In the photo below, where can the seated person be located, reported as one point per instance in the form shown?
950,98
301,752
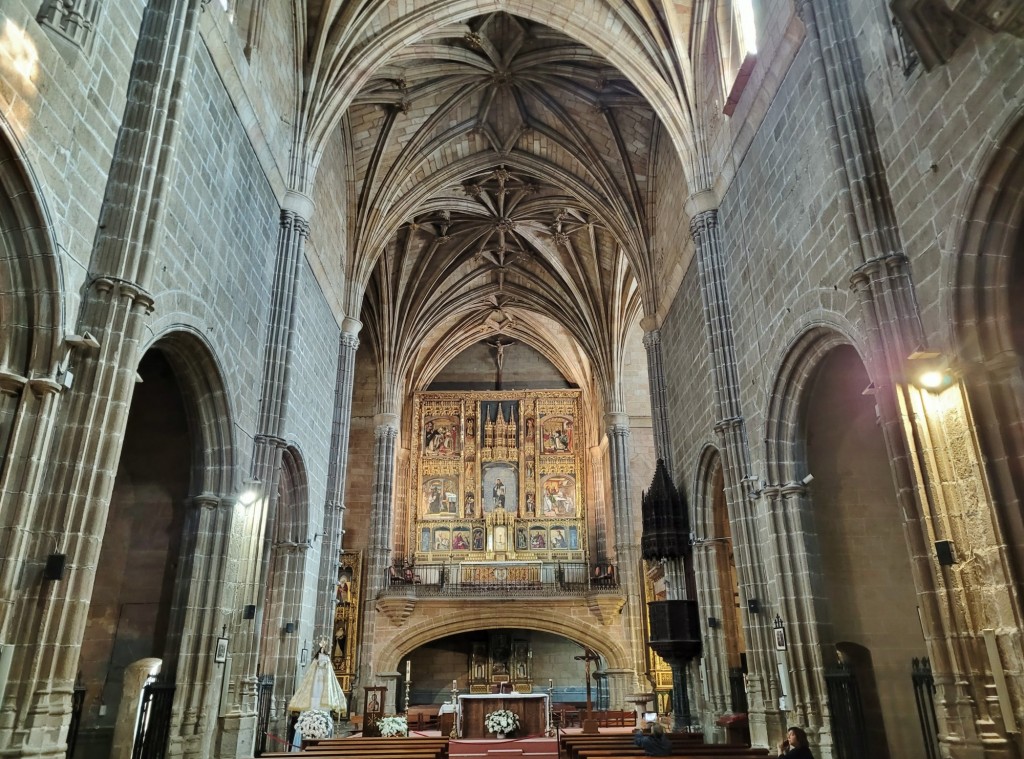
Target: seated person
795,745
655,744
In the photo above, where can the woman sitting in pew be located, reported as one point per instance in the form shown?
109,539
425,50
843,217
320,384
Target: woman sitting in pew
795,745
655,744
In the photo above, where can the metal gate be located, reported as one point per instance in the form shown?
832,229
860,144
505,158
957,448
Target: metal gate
77,703
264,700
847,713
924,695
154,725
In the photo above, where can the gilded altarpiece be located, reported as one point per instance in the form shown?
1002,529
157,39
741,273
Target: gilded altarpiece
497,477
346,618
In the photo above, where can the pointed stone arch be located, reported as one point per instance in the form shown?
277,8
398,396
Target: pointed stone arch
986,275
785,457
208,405
199,605
31,295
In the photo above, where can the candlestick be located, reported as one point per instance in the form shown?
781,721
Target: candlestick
408,668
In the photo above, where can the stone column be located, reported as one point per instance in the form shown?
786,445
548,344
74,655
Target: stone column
627,551
334,508
765,719
82,461
385,434
600,509
202,580
621,684
252,540
659,393
390,679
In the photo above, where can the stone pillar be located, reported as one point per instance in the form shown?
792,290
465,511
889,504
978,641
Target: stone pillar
600,508
659,394
334,508
765,719
203,572
252,539
627,550
621,684
385,434
82,461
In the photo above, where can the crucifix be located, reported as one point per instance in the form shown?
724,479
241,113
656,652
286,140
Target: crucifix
499,346
587,657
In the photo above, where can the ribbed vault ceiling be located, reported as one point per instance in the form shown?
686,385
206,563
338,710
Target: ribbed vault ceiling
500,188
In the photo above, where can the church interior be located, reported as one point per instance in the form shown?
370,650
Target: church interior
632,357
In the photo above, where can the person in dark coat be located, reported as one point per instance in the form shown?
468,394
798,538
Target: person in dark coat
655,744
795,745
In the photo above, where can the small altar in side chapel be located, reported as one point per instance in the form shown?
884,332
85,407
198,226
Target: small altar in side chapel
531,741
532,708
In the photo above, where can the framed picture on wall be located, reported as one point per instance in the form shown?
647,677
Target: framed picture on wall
220,653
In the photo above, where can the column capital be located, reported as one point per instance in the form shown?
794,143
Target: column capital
703,221
299,204
385,420
350,326
652,339
616,420
651,323
701,202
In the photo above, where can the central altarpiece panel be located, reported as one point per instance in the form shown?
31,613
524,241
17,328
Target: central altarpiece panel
497,483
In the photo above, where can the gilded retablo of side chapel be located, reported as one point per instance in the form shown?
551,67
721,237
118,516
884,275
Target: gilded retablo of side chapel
497,481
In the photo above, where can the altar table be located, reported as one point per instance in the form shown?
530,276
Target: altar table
532,709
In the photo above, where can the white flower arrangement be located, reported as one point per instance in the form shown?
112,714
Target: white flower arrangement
391,727
501,721
315,724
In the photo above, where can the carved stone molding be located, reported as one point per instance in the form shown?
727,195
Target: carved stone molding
605,608
397,610
938,27
74,20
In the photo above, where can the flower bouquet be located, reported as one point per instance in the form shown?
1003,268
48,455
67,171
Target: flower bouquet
501,722
391,727
315,724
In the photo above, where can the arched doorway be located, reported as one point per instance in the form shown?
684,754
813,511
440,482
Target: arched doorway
284,632
133,598
987,318
868,598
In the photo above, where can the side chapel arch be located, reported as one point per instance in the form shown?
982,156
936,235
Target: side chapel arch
550,619
986,275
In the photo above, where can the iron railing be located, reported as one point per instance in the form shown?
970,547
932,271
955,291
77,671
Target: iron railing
924,695
154,725
503,579
848,730
264,700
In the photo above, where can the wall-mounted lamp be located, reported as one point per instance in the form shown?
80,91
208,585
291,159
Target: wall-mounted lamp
84,340
695,541
929,370
713,623
249,611
250,492
289,628
753,606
